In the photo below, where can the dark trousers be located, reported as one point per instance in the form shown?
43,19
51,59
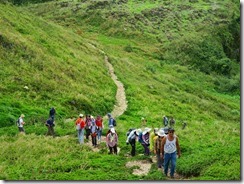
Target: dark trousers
133,147
94,139
88,132
50,131
146,149
113,150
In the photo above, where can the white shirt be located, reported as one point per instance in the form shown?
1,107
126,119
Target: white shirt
170,146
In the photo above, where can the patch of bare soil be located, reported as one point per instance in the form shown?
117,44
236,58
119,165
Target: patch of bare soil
144,167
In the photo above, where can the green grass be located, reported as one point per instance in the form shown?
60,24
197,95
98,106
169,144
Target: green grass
158,58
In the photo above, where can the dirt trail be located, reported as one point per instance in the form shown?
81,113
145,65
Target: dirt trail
121,103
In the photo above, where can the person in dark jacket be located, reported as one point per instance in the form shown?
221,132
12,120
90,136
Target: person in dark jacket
50,124
131,138
52,113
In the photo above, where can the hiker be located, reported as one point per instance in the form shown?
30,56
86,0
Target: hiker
94,130
112,141
88,122
50,123
21,123
131,138
111,120
157,147
99,123
152,139
172,122
165,121
143,122
145,141
80,126
169,149
52,113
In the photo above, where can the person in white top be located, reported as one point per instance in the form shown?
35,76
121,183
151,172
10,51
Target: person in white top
21,123
170,148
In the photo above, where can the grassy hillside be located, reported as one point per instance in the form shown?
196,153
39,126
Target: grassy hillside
173,58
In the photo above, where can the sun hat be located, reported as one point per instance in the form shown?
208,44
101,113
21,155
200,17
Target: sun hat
22,115
81,115
146,130
112,130
161,133
142,118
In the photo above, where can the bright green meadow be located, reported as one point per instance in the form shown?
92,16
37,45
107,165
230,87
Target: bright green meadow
177,58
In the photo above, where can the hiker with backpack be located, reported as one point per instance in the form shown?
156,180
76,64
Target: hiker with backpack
144,140
111,120
99,123
52,113
94,130
165,121
80,126
157,147
169,150
20,123
50,123
88,122
131,139
172,122
112,141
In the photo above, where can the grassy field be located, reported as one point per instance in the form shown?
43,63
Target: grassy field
175,58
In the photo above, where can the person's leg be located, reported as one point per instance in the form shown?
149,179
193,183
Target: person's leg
133,147
82,136
110,150
115,149
173,164
166,163
158,159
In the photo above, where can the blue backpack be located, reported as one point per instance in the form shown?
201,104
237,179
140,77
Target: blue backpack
140,138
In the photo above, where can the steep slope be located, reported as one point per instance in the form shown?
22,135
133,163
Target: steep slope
44,65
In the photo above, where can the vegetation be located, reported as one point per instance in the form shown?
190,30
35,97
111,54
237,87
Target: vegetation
178,58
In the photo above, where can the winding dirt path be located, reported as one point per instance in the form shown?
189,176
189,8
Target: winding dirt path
121,103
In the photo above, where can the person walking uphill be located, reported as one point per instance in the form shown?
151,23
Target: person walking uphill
170,147
111,121
112,141
80,125
157,147
99,123
20,123
145,141
50,123
131,138
52,113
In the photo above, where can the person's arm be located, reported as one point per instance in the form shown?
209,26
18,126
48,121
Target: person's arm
162,147
178,147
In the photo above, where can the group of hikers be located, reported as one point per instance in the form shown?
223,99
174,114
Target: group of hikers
161,141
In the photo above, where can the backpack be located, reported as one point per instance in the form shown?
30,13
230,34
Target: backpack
129,131
140,140
17,122
114,122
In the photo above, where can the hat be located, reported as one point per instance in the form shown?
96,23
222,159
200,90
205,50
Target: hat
22,115
142,118
112,130
138,131
161,133
92,117
109,114
81,115
146,130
